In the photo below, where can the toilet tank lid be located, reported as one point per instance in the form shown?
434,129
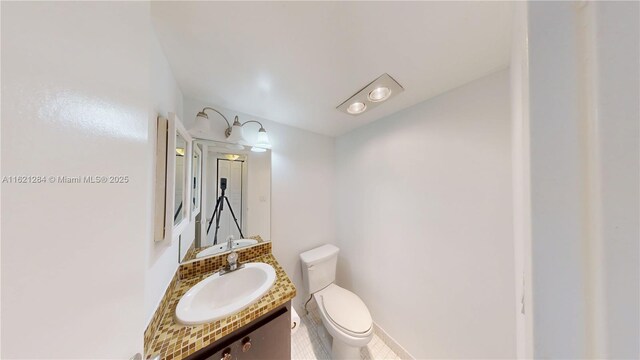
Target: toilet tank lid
318,254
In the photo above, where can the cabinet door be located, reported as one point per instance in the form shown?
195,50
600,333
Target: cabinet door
269,339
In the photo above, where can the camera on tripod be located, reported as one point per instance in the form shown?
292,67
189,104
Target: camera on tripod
218,210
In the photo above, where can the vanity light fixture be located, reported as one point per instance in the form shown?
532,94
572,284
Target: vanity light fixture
372,95
234,133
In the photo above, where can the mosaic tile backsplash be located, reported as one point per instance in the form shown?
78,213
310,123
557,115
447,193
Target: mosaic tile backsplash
207,265
193,251
157,316
170,340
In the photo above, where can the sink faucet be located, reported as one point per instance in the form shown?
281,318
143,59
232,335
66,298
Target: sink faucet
230,242
232,258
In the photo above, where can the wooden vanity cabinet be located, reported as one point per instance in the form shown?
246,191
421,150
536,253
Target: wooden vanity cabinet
267,338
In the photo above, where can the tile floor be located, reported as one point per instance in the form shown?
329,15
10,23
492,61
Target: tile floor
312,341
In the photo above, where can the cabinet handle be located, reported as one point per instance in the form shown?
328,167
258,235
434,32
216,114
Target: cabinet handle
246,344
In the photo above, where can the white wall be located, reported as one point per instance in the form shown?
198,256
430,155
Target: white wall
556,184
519,76
424,222
161,257
618,104
583,131
302,185
302,197
258,195
75,95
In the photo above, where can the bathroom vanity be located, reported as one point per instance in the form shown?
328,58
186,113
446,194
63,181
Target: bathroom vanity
260,331
268,337
209,186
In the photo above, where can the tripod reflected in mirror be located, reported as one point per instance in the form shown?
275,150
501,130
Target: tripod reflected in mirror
217,211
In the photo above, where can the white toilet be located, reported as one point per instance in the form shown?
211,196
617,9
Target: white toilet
343,313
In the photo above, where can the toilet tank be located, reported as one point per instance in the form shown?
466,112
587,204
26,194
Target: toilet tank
319,267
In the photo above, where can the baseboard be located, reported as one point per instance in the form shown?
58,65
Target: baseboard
392,343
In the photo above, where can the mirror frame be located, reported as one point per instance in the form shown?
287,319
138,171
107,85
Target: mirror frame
159,217
176,128
196,150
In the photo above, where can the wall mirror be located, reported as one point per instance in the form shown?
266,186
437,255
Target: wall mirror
181,195
179,207
173,169
196,178
234,199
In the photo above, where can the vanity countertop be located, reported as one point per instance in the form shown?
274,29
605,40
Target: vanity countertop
172,340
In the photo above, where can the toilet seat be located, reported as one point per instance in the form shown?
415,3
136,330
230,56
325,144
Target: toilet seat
345,310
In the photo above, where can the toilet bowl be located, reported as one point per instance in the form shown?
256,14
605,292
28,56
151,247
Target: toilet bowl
343,313
346,318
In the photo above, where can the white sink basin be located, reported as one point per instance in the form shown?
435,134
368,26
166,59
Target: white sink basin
216,249
218,296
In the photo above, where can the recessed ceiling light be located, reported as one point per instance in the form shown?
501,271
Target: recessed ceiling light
373,94
356,108
381,93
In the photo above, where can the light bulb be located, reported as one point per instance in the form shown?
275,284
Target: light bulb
381,93
202,123
236,136
263,139
356,108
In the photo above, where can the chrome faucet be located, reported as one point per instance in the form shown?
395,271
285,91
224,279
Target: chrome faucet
232,258
230,242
